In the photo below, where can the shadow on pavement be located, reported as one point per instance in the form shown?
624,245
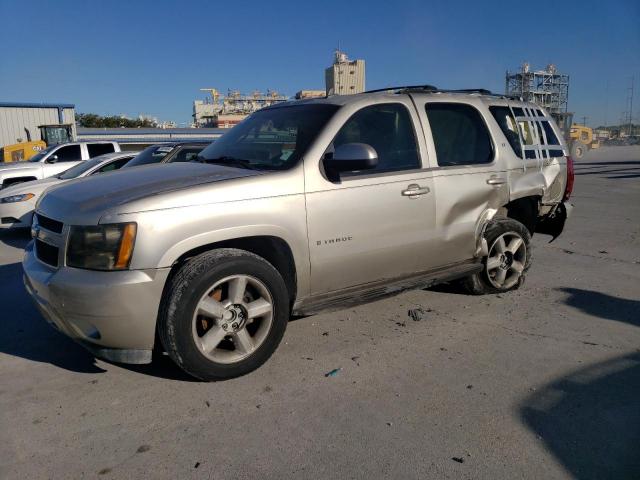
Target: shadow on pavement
590,419
16,238
604,306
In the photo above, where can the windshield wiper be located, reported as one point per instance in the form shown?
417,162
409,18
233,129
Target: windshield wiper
231,161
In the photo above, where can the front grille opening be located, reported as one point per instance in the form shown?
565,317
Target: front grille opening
9,220
47,253
49,224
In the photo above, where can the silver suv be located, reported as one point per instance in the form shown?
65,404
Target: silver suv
305,206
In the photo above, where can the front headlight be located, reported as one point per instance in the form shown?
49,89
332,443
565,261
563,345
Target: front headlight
101,247
17,198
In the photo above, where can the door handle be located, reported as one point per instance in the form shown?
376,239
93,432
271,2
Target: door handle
414,191
496,181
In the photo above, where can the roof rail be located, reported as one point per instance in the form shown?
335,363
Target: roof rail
432,89
429,88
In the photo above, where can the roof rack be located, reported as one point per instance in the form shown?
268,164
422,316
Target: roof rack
403,88
432,89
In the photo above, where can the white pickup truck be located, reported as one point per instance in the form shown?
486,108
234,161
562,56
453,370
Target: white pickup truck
53,160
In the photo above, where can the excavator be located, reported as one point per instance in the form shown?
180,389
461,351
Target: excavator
50,135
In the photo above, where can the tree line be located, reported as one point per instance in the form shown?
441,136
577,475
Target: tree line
92,120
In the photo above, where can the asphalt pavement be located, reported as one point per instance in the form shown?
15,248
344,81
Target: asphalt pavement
539,383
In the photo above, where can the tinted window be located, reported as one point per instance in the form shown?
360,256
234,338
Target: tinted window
152,154
270,139
508,125
388,129
70,153
115,165
459,134
96,149
187,154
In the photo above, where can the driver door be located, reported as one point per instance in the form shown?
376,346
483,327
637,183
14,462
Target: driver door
67,157
366,226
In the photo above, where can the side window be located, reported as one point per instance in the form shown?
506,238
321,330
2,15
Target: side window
70,153
389,130
507,124
459,134
109,167
96,149
187,155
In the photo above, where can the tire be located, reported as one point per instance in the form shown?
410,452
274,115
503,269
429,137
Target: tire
514,265
578,150
216,327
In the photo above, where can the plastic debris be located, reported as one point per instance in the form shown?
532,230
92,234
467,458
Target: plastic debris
458,459
333,372
417,314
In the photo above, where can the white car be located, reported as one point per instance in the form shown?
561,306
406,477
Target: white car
18,201
52,161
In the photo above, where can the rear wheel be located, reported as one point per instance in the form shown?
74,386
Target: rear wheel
509,258
578,149
224,314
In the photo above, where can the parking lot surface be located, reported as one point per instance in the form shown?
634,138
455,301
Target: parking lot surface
543,382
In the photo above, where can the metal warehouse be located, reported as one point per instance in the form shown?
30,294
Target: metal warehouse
18,121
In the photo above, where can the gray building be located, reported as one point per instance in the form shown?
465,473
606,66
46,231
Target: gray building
16,119
344,77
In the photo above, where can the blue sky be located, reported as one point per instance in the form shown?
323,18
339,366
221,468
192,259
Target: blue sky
152,57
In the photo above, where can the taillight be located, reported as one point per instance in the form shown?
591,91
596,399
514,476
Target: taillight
570,177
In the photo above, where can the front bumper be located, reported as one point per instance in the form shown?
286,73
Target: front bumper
113,314
16,215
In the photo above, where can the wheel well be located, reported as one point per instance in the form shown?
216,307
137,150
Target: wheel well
11,181
273,249
524,210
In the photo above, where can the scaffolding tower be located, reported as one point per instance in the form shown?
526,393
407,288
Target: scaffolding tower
546,88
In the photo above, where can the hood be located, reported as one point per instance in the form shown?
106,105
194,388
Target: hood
12,166
34,186
87,197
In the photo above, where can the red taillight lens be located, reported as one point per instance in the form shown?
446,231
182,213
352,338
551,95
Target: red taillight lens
570,177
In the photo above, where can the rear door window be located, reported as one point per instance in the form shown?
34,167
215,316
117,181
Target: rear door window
115,165
459,134
70,153
96,149
187,154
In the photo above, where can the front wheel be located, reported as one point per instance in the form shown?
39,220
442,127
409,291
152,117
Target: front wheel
509,258
224,314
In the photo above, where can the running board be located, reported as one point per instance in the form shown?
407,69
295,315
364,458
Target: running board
368,292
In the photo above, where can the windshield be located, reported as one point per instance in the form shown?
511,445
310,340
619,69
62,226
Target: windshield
41,154
270,139
79,169
152,154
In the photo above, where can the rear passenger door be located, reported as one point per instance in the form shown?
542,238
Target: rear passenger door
467,175
366,225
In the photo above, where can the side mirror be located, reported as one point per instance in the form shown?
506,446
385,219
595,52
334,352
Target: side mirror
352,156
52,159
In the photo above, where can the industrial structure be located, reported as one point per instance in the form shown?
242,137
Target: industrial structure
547,88
21,122
344,77
217,111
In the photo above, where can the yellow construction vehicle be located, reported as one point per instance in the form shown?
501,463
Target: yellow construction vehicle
581,140
50,134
